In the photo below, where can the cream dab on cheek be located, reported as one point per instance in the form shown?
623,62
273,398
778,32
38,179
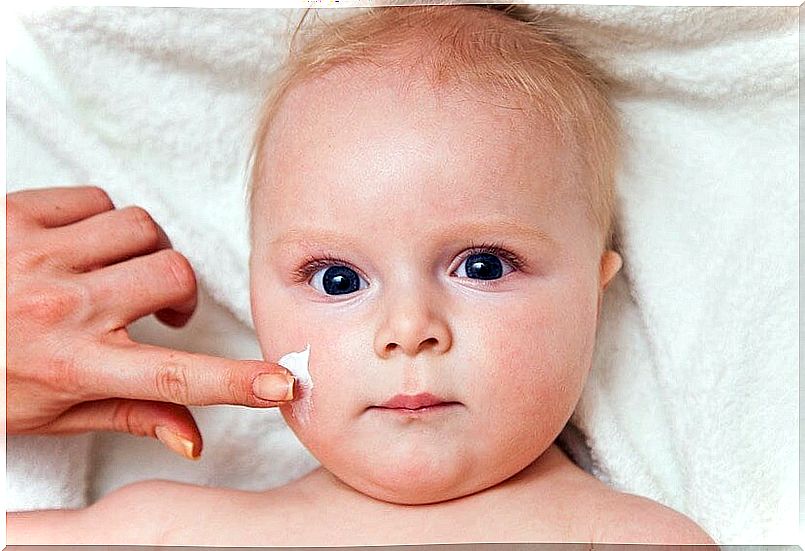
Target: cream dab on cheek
297,363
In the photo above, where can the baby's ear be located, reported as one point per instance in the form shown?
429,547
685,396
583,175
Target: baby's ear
611,262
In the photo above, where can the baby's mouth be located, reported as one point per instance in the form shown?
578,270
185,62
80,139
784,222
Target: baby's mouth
416,403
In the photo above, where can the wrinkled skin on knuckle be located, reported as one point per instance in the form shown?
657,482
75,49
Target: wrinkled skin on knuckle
124,418
171,382
143,224
237,386
179,270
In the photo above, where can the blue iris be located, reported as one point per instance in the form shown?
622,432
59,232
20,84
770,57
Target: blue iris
483,266
340,280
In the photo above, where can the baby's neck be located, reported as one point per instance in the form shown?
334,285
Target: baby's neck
540,503
552,463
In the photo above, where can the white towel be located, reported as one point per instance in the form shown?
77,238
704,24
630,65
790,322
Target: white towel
692,400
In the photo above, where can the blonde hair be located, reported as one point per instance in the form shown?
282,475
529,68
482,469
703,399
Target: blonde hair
493,48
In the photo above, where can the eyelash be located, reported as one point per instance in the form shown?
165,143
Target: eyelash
312,264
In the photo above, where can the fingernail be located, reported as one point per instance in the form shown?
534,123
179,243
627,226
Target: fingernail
178,444
276,387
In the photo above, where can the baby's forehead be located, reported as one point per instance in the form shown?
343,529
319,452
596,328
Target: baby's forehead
443,65
365,122
385,114
392,82
366,155
350,89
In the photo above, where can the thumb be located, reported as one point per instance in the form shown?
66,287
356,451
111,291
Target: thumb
171,424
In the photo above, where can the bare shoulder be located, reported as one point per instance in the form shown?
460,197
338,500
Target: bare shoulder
136,514
123,516
581,508
55,526
626,518
143,513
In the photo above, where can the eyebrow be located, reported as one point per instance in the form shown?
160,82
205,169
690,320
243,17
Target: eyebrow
501,227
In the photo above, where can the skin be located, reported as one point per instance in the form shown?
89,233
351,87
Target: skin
396,181
80,271
404,183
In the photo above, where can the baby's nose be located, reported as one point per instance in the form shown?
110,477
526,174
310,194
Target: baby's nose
411,327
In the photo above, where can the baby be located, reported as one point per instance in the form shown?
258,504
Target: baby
431,218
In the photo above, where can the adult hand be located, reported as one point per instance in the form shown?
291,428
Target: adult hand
78,272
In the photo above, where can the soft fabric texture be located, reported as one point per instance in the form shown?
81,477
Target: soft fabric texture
692,400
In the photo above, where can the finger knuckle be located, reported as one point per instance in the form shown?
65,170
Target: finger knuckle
180,270
143,226
100,196
51,304
236,384
29,259
171,382
125,418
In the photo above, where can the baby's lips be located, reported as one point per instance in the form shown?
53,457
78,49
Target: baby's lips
274,387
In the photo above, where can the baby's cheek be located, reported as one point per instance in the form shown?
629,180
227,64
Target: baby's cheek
508,344
323,400
527,369
279,330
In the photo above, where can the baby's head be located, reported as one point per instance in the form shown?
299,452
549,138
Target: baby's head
431,211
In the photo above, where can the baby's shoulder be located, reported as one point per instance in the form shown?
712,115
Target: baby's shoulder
143,513
161,512
604,515
135,514
617,517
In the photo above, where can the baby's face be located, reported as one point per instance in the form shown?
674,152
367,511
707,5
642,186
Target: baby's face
423,243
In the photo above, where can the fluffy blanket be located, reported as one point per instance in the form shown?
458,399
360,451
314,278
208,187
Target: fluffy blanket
692,400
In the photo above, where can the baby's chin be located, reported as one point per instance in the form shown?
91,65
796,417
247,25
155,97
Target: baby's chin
415,479
426,469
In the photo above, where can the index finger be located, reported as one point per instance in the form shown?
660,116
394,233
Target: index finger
146,372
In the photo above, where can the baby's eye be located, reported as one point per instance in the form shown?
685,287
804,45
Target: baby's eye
333,276
483,265
336,280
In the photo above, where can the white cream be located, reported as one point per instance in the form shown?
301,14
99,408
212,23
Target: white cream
298,364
